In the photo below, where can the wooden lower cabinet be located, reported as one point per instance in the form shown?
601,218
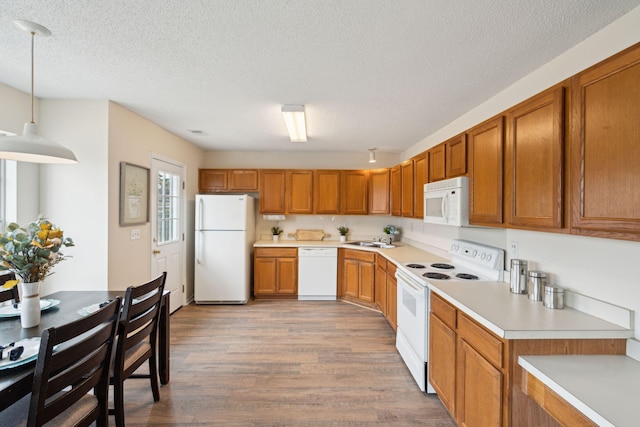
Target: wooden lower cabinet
484,368
357,275
392,296
275,273
386,288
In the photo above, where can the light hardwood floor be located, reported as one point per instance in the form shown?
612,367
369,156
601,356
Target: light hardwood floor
283,363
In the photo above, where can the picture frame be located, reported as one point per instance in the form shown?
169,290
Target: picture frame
134,194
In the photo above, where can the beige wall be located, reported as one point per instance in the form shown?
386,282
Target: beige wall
133,139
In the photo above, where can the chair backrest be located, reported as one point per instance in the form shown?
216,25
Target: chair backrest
74,359
139,319
8,294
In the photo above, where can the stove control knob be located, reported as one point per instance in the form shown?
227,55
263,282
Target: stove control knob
474,253
488,258
483,256
454,247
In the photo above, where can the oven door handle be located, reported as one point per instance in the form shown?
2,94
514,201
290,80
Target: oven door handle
406,280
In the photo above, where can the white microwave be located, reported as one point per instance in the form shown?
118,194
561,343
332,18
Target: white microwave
447,202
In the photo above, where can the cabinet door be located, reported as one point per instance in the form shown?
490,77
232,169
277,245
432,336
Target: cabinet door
442,362
326,189
392,296
396,191
366,288
264,276
606,148
486,143
534,162
407,189
287,276
210,180
351,277
479,389
381,289
437,163
354,192
379,192
456,156
243,180
419,180
299,191
272,200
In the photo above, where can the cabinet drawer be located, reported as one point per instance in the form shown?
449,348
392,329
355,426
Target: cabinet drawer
381,262
359,255
483,341
445,311
276,252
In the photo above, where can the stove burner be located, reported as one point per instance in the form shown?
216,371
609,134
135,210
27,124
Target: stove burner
467,276
442,266
434,275
415,266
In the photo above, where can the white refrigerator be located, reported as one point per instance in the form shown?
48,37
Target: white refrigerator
225,232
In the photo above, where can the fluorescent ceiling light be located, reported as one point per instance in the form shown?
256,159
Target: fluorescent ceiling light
294,119
372,155
30,146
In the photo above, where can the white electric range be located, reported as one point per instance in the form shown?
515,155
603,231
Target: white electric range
469,261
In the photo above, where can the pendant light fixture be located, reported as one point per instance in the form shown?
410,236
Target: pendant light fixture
30,146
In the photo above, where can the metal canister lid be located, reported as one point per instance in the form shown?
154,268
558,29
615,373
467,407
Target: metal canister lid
535,273
552,289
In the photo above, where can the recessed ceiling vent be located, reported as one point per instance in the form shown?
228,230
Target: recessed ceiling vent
197,132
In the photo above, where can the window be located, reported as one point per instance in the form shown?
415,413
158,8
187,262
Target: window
8,189
168,208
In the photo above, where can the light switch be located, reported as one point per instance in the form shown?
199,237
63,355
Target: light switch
135,234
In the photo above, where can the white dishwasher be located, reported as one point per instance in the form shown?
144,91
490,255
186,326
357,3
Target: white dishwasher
317,273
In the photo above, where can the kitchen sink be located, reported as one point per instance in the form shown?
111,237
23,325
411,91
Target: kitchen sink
372,244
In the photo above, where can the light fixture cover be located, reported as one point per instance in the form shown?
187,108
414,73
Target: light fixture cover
294,118
372,155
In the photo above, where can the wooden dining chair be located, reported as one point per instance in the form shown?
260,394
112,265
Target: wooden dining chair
8,294
71,376
136,341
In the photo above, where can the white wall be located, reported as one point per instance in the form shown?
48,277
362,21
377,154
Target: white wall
74,197
604,269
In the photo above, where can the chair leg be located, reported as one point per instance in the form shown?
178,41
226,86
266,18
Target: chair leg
153,376
118,402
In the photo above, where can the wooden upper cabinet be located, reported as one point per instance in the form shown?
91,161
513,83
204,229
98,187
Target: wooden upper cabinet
437,163
215,180
605,149
210,180
354,192
326,192
486,146
272,195
420,168
534,161
396,190
379,192
243,180
299,191
407,188
456,156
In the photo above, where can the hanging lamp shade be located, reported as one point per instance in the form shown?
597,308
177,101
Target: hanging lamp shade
30,146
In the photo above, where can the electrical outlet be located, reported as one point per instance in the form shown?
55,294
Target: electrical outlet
135,234
513,249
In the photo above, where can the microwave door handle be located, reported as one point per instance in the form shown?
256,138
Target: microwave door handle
445,207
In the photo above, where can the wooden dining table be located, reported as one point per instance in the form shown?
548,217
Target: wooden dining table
16,383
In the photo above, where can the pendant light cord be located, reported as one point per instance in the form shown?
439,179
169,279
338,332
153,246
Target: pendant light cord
33,35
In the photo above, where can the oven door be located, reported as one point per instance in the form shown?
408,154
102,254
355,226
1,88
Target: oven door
411,336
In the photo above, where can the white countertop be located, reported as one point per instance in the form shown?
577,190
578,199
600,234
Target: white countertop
605,388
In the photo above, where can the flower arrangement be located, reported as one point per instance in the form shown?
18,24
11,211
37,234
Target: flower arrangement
276,231
31,252
391,229
343,230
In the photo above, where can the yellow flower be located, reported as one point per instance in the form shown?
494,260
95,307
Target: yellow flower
55,233
34,242
42,234
45,226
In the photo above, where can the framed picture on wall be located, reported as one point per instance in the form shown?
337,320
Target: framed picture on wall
134,194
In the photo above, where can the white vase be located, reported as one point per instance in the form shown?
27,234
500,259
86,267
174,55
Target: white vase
275,237
30,304
343,238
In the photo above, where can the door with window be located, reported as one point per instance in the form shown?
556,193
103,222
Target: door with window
167,227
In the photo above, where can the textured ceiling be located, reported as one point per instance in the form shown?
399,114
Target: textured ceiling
372,73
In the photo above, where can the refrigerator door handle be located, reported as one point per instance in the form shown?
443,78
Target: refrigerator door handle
200,207
198,247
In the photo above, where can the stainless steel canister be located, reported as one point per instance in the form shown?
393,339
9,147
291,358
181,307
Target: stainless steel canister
553,297
519,276
537,280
